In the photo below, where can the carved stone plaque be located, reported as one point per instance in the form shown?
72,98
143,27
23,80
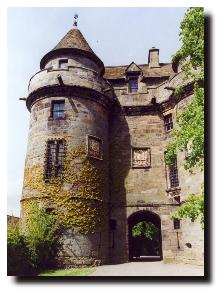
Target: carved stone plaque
141,157
95,147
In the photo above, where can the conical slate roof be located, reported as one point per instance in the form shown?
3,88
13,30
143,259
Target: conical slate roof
74,39
72,42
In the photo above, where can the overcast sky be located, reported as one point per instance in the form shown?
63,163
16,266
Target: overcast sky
117,35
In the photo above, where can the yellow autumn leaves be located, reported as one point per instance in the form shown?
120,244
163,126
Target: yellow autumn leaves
77,198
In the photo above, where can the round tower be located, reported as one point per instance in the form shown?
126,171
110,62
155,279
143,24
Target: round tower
66,168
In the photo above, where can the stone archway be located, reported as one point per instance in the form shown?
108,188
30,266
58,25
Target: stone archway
145,241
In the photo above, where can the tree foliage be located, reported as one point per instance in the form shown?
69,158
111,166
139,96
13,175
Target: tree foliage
41,238
189,131
35,249
17,252
192,209
146,229
191,53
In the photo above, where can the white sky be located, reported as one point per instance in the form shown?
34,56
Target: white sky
117,35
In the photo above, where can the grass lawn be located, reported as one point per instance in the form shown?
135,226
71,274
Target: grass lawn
69,272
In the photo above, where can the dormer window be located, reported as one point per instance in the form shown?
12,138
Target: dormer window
133,85
132,73
63,63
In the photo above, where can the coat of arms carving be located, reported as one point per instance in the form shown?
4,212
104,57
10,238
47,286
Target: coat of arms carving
95,147
141,157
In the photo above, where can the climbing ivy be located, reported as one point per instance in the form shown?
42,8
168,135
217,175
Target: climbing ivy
77,197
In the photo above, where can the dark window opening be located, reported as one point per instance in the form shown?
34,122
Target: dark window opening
133,85
49,210
168,122
173,174
54,162
113,224
176,224
58,109
63,63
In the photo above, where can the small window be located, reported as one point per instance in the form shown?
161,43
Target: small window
49,210
133,85
188,151
54,159
63,64
173,174
168,122
176,224
113,224
58,109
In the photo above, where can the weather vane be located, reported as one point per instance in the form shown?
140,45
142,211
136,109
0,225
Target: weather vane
75,20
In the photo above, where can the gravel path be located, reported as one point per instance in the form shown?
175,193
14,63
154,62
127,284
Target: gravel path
149,269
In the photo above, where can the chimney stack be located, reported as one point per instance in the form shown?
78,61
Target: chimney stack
153,57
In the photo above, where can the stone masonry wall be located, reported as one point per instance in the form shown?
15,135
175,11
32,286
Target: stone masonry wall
145,189
135,189
83,117
190,184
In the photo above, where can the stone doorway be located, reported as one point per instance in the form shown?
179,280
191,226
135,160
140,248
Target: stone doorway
145,242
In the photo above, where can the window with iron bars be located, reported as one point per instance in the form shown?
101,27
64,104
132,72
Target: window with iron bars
57,109
133,85
173,174
168,122
54,159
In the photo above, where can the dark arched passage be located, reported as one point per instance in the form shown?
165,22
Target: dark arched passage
144,246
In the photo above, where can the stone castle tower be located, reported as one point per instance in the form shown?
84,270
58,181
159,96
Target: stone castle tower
95,155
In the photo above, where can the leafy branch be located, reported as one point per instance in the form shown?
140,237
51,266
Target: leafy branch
189,131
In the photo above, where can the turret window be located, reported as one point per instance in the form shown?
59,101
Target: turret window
63,63
54,159
57,109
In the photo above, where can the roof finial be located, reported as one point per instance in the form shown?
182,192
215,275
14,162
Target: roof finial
75,20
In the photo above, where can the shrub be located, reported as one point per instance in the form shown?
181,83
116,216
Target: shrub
41,238
35,249
17,252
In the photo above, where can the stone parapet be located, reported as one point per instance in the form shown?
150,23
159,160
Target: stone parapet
74,76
